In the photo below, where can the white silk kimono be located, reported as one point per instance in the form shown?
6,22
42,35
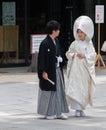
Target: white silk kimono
80,80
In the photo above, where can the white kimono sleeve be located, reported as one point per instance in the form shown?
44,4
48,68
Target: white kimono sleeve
70,55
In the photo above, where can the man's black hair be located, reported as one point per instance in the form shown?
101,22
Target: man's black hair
52,25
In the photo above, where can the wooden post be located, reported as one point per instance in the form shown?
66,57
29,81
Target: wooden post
33,66
99,58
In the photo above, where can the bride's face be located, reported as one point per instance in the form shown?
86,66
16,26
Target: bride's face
81,35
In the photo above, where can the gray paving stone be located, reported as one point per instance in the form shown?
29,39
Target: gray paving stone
18,104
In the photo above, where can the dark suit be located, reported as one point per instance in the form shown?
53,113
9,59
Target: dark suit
47,62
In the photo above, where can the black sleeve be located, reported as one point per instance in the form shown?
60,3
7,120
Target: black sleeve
41,60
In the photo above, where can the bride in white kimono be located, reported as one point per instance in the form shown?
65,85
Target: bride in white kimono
81,55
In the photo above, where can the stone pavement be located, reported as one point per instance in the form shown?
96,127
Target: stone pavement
18,104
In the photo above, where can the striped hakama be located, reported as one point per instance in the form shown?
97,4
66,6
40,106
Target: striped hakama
53,102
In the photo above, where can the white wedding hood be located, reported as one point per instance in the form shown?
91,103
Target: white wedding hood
85,24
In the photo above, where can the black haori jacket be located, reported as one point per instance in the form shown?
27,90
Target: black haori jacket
47,62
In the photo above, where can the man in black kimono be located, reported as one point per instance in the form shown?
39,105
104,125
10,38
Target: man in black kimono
51,99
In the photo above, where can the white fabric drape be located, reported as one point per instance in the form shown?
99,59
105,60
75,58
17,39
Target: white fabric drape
80,80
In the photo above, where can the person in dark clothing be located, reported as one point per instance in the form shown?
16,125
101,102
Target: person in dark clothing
51,99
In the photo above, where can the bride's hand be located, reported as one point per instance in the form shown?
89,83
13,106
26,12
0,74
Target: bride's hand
80,55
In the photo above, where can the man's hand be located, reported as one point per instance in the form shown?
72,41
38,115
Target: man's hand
45,75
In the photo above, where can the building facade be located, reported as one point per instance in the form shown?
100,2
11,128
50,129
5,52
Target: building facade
31,17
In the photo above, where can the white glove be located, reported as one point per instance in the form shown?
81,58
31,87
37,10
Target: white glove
59,59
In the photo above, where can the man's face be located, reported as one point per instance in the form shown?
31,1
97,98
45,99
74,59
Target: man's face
56,33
